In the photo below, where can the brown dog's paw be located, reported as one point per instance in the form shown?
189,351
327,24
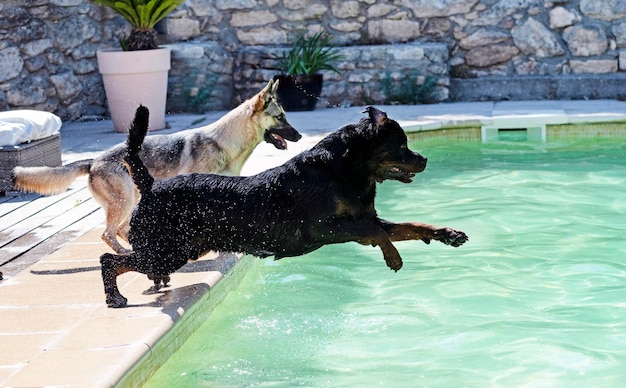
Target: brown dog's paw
116,300
450,236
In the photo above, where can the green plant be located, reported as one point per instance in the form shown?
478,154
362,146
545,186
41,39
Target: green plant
308,55
142,15
198,91
408,90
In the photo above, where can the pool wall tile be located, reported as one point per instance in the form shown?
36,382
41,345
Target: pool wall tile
617,129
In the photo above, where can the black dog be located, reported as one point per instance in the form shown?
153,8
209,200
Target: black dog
322,196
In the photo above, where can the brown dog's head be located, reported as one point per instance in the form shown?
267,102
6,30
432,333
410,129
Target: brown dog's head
391,158
270,116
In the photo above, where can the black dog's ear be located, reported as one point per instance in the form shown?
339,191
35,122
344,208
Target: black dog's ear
377,116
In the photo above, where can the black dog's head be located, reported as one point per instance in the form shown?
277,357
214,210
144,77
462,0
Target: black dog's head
391,158
271,117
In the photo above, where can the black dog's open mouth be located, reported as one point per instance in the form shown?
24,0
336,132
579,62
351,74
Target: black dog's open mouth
399,174
402,173
276,140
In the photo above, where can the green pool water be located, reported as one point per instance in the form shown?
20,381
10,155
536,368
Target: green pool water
537,297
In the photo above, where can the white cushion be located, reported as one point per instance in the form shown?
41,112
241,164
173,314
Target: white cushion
23,126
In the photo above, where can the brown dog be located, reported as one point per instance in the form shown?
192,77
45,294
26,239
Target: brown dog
221,148
322,196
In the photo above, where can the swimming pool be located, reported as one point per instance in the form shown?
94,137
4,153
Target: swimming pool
536,297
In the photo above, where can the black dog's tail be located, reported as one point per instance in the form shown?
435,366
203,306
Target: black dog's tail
136,134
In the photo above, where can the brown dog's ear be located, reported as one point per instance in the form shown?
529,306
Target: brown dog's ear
269,91
377,116
262,98
273,85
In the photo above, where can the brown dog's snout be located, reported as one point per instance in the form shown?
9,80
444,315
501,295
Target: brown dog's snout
295,135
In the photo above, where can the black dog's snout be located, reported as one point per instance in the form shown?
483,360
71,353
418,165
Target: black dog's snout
419,161
420,158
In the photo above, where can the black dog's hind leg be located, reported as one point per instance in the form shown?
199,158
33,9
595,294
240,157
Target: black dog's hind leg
115,265
111,269
158,280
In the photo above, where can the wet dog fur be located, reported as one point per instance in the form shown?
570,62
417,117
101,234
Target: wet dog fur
221,147
322,196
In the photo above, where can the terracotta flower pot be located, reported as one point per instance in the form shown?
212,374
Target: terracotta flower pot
132,78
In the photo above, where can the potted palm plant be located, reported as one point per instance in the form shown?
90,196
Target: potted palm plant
300,85
137,74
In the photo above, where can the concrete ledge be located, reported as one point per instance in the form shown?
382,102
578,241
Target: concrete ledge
583,87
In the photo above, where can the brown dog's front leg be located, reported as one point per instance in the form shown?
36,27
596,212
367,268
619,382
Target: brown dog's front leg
425,232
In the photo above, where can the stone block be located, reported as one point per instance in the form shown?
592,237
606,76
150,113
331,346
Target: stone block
490,55
585,41
182,28
622,60
11,63
532,37
483,37
593,66
561,17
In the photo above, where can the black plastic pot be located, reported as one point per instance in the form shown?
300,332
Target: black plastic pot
299,92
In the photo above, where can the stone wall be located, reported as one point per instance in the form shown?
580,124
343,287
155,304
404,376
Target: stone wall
368,74
201,77
47,48
47,56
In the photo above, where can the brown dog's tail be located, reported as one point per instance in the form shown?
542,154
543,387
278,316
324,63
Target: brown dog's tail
49,180
136,134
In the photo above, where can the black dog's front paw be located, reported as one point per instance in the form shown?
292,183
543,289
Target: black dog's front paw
116,300
450,236
394,263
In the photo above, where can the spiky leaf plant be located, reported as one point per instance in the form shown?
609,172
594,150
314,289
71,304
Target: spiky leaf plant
308,55
142,15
